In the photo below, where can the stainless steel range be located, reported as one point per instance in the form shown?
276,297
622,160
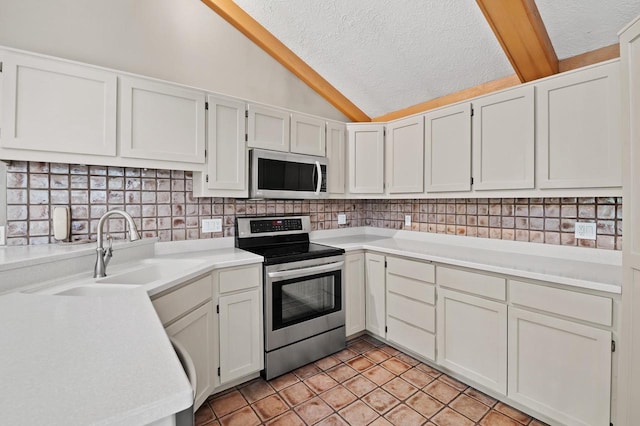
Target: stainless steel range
303,291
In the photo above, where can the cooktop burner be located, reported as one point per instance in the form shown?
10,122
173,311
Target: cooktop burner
280,239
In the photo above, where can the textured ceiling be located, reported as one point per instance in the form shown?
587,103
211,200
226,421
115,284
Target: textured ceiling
385,55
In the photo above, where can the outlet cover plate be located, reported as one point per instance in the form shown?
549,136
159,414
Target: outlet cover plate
342,219
3,237
407,220
585,230
211,225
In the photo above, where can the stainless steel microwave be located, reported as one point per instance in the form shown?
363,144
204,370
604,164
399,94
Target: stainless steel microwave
276,174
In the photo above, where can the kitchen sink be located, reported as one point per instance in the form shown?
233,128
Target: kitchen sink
154,270
95,290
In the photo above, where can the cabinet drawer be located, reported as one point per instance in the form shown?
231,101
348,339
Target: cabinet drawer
411,311
413,289
234,279
472,282
585,307
411,269
177,303
413,338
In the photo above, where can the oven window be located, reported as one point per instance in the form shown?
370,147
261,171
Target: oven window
301,299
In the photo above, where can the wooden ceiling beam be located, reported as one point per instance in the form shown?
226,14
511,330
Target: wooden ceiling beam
519,29
248,26
590,58
472,92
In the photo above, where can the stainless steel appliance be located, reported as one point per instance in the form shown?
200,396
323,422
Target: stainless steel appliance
304,317
284,175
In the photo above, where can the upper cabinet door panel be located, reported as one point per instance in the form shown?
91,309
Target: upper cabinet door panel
227,159
307,135
503,140
161,121
578,129
405,156
336,154
366,159
268,128
448,149
56,106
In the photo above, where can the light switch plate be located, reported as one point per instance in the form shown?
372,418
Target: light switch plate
3,239
585,230
211,225
407,220
342,219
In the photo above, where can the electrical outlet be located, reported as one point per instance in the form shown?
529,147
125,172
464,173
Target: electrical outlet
585,230
211,225
342,219
3,239
407,220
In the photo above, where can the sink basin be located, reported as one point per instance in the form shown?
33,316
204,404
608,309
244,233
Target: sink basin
95,290
155,269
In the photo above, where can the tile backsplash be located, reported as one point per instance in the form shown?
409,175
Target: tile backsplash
162,205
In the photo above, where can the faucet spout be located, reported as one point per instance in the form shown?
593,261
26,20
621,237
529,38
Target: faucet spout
103,256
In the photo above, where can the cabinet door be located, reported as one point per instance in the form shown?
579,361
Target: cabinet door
503,140
161,121
447,143
307,135
337,156
196,333
404,156
375,305
267,128
560,368
366,159
472,338
355,293
240,321
56,106
578,129
227,152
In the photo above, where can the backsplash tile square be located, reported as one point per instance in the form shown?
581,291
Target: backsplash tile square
162,205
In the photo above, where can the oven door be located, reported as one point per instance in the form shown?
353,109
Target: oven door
303,299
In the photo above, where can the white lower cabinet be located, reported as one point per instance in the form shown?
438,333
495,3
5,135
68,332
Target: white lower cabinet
375,304
472,338
240,335
355,319
411,314
196,334
239,292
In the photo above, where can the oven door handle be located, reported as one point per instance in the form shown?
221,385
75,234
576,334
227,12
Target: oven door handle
300,272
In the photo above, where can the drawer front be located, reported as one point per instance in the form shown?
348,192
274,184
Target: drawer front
412,338
472,282
411,269
177,303
412,312
411,288
585,307
234,279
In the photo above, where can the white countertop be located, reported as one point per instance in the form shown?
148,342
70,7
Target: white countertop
587,268
69,360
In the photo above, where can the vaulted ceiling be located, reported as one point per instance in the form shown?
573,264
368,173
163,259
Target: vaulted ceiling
387,55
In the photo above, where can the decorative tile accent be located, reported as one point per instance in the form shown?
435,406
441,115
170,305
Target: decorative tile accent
163,206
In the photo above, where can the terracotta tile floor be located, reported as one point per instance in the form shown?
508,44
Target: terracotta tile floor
369,383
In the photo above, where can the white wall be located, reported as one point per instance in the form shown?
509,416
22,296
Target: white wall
177,40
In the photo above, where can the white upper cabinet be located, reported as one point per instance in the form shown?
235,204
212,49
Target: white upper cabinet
578,129
57,106
226,148
307,135
337,156
404,156
161,121
268,128
448,149
503,140
366,158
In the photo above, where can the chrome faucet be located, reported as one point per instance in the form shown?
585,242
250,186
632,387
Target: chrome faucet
104,256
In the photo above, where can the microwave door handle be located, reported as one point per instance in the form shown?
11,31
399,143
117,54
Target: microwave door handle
300,272
319,172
